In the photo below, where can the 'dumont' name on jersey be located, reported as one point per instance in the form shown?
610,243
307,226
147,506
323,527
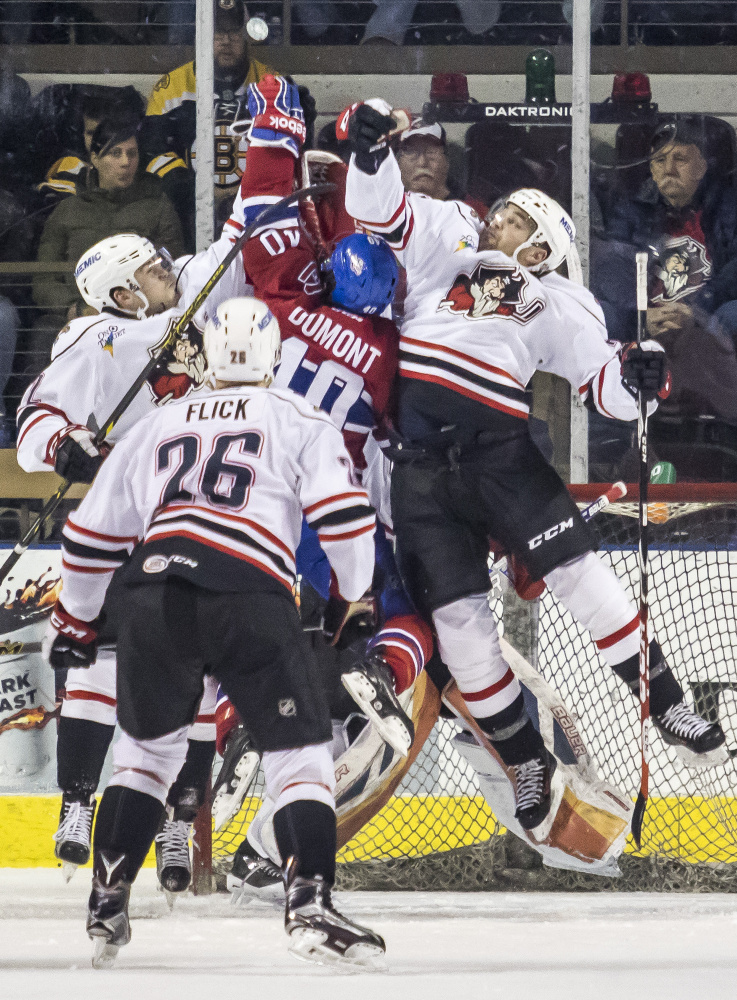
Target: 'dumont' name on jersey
214,486
477,322
96,359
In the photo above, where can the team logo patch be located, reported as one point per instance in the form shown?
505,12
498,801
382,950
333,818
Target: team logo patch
501,290
683,267
181,368
107,338
287,707
467,243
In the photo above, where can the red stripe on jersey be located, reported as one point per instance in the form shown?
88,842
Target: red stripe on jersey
89,696
104,538
334,499
347,534
227,550
89,569
489,691
32,423
389,222
175,508
600,387
408,231
464,357
522,414
610,640
205,719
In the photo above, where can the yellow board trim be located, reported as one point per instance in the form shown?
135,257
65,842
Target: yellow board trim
692,829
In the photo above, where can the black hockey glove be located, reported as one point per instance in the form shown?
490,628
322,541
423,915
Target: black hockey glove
645,370
75,456
75,644
367,133
344,622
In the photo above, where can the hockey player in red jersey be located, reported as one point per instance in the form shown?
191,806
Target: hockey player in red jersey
337,349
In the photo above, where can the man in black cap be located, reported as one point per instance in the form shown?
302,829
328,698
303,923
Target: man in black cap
168,133
685,217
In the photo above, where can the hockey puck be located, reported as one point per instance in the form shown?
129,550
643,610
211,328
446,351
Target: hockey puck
257,29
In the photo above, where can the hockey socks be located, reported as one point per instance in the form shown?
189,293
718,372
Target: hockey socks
665,691
127,821
512,734
187,793
81,748
405,643
306,832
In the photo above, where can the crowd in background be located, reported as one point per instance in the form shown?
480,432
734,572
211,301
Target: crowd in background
392,22
82,162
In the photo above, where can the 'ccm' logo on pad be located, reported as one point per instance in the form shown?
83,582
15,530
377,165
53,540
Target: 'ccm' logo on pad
546,536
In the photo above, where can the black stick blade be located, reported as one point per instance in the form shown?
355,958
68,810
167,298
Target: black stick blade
637,818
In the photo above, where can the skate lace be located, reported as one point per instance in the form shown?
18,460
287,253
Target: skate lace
530,781
683,722
76,825
174,841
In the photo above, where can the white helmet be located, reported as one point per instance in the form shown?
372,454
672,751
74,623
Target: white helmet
242,341
112,263
554,227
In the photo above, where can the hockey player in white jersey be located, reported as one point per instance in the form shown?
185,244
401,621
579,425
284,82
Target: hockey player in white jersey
203,508
477,324
139,294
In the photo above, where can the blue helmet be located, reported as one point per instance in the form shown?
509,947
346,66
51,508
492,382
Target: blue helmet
365,273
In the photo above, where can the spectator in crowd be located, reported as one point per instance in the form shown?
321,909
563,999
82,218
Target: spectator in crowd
685,216
16,239
422,154
114,199
392,18
168,133
72,168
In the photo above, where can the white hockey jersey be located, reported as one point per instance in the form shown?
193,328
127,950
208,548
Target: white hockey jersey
96,359
477,322
215,487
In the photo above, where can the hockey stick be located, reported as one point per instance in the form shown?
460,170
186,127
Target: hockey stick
269,214
641,804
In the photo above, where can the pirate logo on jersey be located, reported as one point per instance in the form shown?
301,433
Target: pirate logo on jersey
501,290
180,369
683,267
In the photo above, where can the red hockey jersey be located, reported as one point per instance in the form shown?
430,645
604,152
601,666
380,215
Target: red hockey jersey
341,362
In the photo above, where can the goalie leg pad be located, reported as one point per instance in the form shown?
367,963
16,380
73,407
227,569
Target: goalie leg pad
468,643
149,766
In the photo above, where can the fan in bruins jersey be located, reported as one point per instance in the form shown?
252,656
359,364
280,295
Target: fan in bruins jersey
168,134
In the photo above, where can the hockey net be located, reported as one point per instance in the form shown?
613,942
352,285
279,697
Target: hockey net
437,831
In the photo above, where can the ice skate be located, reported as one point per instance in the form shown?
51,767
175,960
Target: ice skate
74,834
697,742
318,933
254,877
538,792
371,685
240,765
173,864
107,920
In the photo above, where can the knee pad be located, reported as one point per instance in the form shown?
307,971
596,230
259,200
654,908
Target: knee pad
468,643
307,773
149,766
90,692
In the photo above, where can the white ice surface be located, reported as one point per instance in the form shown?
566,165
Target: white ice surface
440,946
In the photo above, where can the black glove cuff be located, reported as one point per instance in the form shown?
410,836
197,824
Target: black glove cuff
369,163
73,463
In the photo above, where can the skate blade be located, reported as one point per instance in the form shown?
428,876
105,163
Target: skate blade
308,945
392,730
227,804
104,954
540,832
68,870
698,761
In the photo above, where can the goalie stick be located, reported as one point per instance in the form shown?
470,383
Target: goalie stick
641,804
269,214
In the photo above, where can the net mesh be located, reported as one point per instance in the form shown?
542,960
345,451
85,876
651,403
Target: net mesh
437,831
